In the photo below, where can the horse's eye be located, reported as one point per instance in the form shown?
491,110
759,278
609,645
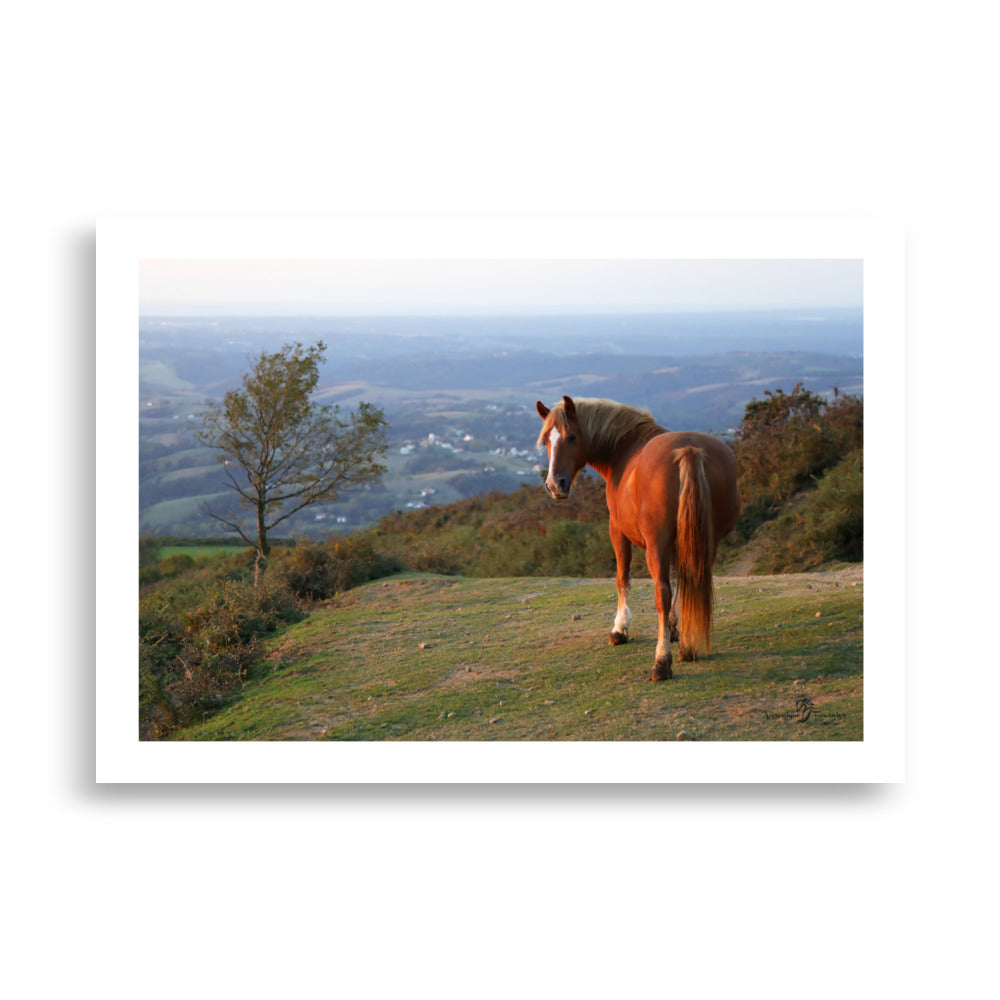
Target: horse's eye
571,439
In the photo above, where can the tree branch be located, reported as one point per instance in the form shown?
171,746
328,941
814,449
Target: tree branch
235,525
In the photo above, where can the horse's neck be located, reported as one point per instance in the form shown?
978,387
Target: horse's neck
605,470
611,470
610,462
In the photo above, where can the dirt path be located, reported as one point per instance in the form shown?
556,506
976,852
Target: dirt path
852,574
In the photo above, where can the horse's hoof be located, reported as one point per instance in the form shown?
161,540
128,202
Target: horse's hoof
617,638
661,670
686,653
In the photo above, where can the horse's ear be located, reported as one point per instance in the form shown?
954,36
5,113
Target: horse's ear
543,410
570,407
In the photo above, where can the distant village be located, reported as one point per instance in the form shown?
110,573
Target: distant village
456,447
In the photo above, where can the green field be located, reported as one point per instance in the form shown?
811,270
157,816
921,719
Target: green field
202,551
161,374
166,515
426,657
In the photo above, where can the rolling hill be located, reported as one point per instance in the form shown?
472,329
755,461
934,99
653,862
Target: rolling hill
427,657
462,418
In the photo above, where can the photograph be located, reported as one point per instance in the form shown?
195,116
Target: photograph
501,499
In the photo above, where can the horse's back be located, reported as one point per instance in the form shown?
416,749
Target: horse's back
657,460
660,450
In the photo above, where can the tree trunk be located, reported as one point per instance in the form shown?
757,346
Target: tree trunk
263,547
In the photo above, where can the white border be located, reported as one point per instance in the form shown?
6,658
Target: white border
123,242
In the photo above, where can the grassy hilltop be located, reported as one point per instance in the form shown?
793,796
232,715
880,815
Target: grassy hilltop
427,657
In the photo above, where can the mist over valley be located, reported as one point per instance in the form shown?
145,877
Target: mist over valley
459,392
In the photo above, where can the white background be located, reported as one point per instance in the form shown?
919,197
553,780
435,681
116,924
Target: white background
763,109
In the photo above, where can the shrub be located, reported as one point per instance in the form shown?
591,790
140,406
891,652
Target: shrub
785,442
149,550
318,571
193,657
827,524
161,644
436,557
236,612
173,565
200,630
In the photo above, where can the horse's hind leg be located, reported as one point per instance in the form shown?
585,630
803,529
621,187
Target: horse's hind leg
659,570
623,556
672,619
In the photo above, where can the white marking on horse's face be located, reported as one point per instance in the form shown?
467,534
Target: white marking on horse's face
553,441
557,485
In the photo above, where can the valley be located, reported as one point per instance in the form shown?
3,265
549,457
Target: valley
459,394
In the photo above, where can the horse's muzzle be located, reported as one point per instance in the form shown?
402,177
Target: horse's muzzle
558,489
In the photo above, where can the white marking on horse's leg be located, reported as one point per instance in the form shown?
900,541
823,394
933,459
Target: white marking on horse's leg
662,643
623,583
661,665
624,617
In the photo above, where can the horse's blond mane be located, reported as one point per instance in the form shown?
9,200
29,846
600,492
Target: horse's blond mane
605,424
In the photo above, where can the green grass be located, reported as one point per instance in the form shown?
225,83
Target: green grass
203,551
189,472
159,373
425,657
164,515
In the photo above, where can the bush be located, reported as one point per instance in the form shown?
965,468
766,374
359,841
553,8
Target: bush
523,533
236,612
192,659
149,550
827,525
316,571
161,646
174,565
437,556
785,442
200,630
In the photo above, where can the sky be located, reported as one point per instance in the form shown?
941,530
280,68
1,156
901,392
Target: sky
387,287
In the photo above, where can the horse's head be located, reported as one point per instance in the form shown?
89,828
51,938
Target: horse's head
567,453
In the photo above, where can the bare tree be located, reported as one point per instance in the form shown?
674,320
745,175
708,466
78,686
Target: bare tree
281,451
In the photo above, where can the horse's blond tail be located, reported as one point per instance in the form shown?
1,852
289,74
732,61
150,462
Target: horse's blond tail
695,550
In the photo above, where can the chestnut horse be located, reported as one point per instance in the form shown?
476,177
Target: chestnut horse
672,494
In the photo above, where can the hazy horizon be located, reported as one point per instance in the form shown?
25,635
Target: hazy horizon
340,288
